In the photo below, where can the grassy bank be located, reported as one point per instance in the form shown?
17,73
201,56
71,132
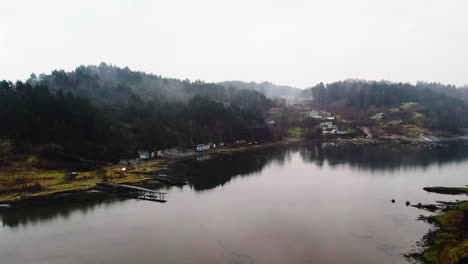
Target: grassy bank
23,180
450,243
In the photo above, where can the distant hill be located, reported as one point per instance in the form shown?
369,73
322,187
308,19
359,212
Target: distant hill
268,89
113,85
393,105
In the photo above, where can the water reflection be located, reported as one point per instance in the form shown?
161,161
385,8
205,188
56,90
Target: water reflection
62,207
217,171
211,172
381,157
208,173
303,203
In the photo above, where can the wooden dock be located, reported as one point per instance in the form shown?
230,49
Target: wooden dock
133,191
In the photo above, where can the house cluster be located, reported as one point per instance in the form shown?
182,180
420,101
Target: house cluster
328,128
327,122
208,146
143,155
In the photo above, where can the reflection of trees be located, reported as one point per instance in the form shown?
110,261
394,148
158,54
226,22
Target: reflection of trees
380,157
60,207
205,175
219,170
209,174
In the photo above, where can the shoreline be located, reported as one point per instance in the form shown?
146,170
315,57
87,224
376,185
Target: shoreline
447,243
87,180
446,238
134,174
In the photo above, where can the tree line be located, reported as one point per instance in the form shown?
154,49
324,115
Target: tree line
71,126
361,99
114,85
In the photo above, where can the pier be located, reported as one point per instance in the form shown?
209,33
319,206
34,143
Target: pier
133,191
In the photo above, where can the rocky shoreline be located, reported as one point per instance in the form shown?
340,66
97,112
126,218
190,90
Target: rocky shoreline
447,243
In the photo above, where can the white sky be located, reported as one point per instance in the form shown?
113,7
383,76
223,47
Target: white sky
292,42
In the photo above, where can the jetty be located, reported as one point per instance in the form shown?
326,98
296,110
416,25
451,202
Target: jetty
133,191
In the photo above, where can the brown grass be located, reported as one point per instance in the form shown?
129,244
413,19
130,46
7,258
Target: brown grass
22,179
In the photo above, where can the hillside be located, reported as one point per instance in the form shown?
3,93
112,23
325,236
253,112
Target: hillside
113,85
393,108
104,113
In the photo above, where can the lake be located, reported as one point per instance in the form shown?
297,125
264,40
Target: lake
301,203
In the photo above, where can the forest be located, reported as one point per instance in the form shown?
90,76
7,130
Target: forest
63,125
105,113
423,104
112,85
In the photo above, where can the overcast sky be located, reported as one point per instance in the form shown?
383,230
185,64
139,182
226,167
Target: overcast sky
291,42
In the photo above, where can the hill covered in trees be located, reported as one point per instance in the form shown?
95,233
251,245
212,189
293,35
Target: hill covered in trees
104,113
110,84
391,105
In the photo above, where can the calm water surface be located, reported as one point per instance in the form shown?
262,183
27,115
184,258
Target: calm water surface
308,203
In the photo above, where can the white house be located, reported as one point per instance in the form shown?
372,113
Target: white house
326,124
313,114
203,147
143,155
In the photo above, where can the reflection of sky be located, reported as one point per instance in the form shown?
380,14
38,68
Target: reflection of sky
283,209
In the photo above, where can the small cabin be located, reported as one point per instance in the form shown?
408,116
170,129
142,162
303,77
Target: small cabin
143,155
203,147
313,114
